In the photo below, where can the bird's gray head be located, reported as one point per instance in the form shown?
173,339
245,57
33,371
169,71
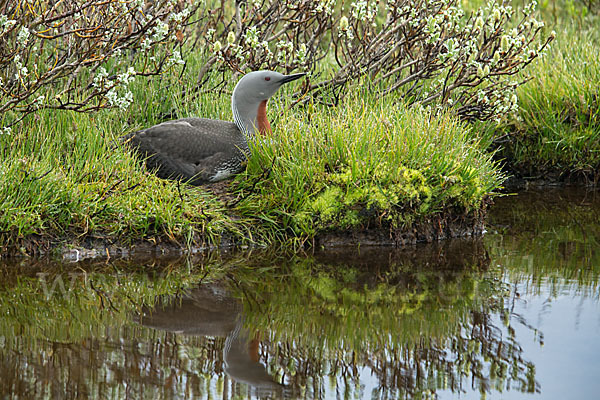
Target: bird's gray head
258,86
250,96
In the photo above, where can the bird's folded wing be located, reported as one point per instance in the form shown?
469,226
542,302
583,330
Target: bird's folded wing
186,148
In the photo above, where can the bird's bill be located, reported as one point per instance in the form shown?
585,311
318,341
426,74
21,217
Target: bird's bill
293,77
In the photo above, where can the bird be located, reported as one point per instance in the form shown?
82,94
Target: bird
200,150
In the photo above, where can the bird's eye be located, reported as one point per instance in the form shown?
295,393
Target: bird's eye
267,78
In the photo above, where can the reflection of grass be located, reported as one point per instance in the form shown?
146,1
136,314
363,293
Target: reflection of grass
545,237
406,305
418,326
84,341
69,305
427,322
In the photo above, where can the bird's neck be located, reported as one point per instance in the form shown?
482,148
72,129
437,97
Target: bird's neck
263,125
250,118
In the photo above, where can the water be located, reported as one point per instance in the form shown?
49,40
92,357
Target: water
515,315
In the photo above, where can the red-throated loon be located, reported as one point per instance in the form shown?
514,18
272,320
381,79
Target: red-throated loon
200,150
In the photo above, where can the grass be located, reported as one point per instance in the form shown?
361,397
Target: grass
558,126
556,134
66,179
370,162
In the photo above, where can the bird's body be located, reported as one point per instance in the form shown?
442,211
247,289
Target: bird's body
200,150
196,150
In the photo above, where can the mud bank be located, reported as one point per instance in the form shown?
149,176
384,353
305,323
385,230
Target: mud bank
522,177
440,227
434,229
522,181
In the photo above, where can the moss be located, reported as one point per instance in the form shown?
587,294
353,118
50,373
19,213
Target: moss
327,205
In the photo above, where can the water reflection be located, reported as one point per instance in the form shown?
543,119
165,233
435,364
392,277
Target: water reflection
515,313
394,324
210,310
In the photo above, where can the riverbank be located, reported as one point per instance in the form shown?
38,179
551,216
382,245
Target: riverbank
324,173
532,284
370,170
555,137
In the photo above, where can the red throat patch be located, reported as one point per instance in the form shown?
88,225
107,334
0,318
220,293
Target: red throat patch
264,127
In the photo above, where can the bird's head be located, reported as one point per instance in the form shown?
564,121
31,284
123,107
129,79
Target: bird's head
259,86
249,99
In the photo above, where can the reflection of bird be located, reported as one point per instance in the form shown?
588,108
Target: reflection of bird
209,311
205,311
242,362
200,150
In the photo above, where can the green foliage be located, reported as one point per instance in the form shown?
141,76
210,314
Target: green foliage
558,126
65,175
570,9
83,56
369,161
556,132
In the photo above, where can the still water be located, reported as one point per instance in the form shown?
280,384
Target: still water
514,315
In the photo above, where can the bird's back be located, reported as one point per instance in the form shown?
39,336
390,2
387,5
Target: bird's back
196,150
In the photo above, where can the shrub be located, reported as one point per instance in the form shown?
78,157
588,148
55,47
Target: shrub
428,49
77,55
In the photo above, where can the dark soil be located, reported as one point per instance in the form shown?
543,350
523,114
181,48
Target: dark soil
444,226
440,227
522,177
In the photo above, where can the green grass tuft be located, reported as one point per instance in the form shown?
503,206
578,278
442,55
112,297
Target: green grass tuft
559,122
368,161
64,177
